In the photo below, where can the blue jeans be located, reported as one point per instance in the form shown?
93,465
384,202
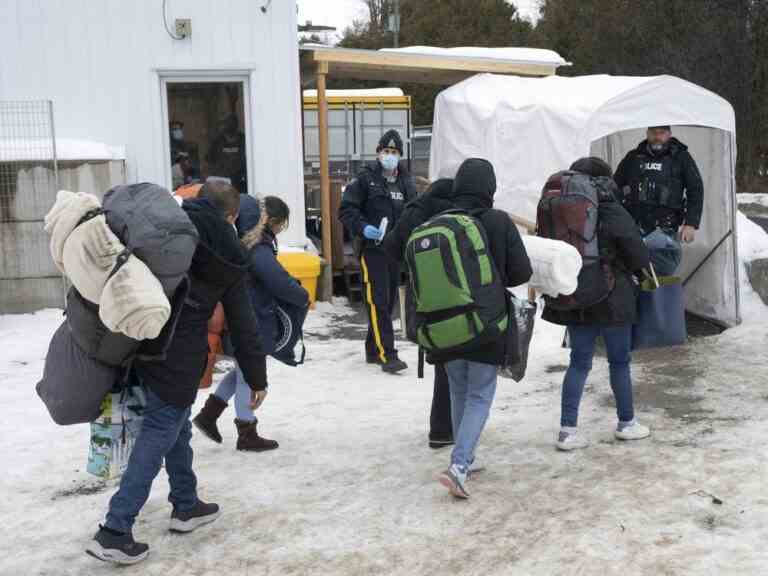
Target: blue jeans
665,252
473,386
618,344
165,434
234,384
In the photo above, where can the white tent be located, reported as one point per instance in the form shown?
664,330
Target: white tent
530,128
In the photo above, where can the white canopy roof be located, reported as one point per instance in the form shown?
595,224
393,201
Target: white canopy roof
514,54
530,128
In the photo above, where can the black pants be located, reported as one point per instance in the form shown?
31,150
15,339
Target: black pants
381,277
440,422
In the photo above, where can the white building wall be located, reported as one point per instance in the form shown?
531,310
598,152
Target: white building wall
101,61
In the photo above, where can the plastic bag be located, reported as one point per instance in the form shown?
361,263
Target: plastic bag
522,315
114,432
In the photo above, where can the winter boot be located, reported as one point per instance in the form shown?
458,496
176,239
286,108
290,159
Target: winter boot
394,365
189,520
249,440
206,420
111,546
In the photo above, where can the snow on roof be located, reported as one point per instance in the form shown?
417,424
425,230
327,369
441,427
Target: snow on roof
522,55
369,93
67,149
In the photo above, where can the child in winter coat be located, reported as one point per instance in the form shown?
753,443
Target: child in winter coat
270,283
622,247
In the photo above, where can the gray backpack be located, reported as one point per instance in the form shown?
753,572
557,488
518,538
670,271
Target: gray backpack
153,226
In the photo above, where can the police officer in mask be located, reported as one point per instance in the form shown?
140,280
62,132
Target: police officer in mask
660,185
380,191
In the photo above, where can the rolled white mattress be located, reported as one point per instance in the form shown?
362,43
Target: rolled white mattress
556,266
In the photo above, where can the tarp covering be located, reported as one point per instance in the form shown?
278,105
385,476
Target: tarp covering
530,128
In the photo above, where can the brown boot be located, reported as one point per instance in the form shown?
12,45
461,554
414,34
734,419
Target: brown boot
206,420
249,440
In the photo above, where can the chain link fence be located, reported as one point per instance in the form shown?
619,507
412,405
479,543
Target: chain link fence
28,185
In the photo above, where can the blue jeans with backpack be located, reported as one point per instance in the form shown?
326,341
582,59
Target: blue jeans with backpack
473,387
618,344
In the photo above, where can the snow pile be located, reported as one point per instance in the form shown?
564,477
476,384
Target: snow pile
67,149
759,199
366,93
752,245
511,55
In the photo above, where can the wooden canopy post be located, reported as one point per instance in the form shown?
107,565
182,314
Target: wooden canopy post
325,181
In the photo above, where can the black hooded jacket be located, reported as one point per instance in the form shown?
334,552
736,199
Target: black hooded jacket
367,200
664,189
219,272
472,190
622,247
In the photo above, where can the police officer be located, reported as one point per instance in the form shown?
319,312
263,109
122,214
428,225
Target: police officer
380,191
660,185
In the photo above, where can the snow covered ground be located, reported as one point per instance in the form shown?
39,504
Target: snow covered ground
351,491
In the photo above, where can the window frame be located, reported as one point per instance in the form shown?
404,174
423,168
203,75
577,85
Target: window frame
243,77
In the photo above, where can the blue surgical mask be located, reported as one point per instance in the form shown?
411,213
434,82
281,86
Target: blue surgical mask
389,162
177,133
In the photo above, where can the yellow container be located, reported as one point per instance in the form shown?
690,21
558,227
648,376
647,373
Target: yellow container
305,268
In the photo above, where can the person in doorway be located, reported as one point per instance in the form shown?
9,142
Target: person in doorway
661,187
182,172
379,191
624,253
218,273
178,144
270,284
437,198
226,156
472,374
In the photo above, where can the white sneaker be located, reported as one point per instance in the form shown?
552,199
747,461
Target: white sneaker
569,439
455,480
475,468
633,431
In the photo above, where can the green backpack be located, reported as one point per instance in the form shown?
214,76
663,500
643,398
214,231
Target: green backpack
458,301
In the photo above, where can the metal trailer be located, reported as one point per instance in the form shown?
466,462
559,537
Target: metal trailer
356,121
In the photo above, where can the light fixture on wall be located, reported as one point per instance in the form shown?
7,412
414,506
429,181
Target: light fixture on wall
183,26
266,6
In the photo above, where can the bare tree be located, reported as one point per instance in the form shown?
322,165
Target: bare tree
379,11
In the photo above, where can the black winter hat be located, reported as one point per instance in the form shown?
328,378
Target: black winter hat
592,166
666,127
391,139
475,179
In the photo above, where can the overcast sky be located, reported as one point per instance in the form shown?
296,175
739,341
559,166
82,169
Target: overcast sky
341,13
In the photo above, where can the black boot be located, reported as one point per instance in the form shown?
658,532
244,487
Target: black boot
248,438
206,420
393,365
189,520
